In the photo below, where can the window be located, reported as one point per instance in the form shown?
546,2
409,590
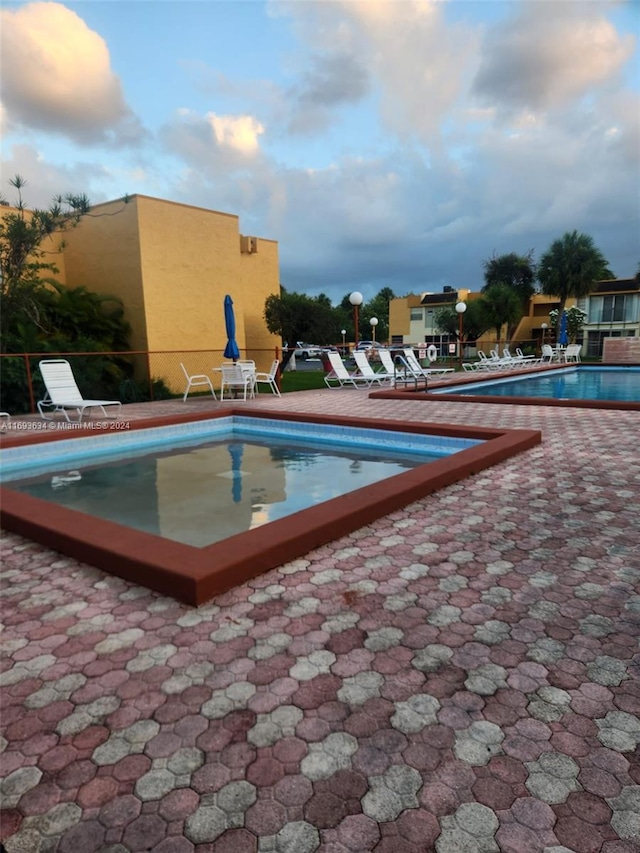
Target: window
617,308
416,314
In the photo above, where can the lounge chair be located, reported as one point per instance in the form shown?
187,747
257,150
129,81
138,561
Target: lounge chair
63,393
386,361
417,368
339,376
198,379
365,369
269,378
5,419
237,378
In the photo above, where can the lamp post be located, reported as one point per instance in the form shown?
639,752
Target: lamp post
544,328
343,332
374,323
461,307
356,299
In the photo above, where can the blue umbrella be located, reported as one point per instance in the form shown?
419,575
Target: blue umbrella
231,350
235,451
563,337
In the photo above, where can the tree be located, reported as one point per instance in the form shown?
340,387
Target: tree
474,322
297,317
499,304
570,268
377,307
516,271
576,318
22,263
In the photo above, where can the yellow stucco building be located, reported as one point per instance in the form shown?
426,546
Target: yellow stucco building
172,265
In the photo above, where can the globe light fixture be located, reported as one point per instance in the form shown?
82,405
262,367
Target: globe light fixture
461,307
343,332
374,322
544,328
356,299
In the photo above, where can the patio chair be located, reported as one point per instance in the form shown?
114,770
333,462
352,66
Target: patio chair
365,370
198,379
572,353
386,360
235,378
63,393
5,419
548,354
417,368
339,376
269,378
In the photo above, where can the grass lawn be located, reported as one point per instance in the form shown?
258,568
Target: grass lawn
302,380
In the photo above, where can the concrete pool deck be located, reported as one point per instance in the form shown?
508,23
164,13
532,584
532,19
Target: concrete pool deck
462,674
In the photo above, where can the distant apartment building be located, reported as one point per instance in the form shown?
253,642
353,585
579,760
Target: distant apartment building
612,309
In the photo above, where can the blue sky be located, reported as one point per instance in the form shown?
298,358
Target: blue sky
382,143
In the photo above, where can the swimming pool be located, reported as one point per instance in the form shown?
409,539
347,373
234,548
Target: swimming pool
598,386
195,574
200,485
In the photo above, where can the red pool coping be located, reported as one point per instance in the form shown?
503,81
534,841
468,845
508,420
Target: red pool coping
195,575
420,395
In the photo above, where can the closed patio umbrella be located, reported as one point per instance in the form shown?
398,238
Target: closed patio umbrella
231,350
563,337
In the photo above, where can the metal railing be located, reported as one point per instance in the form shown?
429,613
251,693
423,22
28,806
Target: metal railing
131,377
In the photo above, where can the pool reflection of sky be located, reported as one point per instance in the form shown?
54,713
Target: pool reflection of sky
201,495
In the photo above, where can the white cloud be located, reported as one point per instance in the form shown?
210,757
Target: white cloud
237,132
549,54
56,76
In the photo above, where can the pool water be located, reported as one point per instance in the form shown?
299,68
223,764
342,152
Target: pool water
582,383
198,491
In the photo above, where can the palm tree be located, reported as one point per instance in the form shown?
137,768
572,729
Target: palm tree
570,268
500,304
517,271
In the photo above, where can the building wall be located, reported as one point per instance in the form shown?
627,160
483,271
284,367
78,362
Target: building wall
172,265
103,255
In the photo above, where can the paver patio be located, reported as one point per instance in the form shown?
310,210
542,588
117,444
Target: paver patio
462,675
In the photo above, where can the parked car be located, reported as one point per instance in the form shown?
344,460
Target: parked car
367,345
304,350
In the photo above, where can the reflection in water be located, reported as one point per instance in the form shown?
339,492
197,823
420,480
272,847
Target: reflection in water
184,494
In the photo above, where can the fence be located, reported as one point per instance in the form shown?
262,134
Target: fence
132,377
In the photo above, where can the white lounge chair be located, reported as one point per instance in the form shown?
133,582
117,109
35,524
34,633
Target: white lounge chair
237,378
386,361
63,393
417,368
365,369
269,378
198,379
5,419
339,376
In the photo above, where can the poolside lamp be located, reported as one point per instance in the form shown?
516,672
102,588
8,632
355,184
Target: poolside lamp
356,299
374,323
544,328
343,332
461,307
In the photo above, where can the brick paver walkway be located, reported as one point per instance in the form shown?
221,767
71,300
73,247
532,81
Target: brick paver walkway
460,676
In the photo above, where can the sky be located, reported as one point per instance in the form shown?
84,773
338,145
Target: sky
382,143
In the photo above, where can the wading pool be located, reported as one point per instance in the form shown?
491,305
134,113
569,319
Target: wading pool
193,507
